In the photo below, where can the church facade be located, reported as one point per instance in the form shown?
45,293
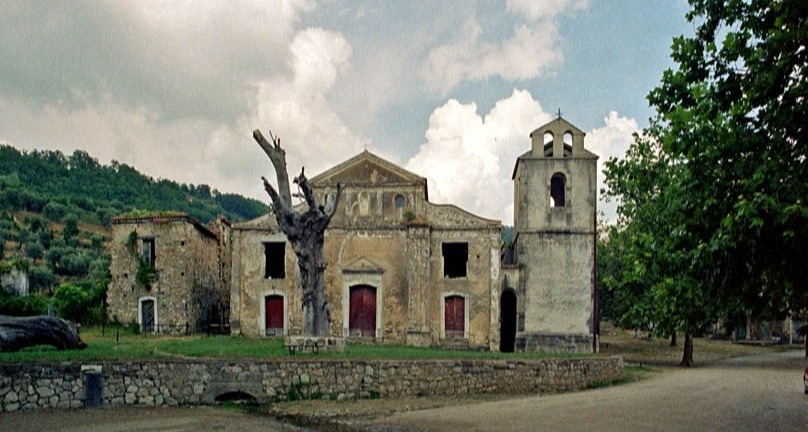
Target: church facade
402,270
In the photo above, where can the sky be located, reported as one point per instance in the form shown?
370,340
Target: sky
449,90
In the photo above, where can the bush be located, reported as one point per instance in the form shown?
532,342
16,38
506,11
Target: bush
83,302
14,305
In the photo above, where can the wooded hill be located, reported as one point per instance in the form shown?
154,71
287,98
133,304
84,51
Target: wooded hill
55,217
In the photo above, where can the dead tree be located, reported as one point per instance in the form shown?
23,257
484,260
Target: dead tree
305,232
17,333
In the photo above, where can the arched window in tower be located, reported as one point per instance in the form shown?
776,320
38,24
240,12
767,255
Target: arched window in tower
548,144
558,190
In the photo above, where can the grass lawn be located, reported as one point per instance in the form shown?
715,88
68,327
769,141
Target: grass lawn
115,343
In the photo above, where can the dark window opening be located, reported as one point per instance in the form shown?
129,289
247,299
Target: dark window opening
400,201
455,257
275,257
147,251
507,321
558,190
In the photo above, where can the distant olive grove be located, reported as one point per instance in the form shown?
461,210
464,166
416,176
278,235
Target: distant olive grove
55,215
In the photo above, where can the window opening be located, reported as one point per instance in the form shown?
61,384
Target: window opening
147,251
400,201
558,186
455,257
275,260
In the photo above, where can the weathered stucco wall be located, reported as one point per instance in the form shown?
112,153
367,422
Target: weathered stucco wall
184,255
386,235
194,382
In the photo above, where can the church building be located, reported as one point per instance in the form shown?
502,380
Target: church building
402,270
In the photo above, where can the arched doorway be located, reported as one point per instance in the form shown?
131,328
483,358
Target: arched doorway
362,317
507,321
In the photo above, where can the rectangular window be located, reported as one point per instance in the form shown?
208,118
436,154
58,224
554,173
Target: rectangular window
147,251
275,260
455,257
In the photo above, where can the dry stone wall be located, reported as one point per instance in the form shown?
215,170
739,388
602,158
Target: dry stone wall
162,383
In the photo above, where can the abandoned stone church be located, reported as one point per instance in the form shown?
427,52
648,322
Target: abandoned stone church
403,270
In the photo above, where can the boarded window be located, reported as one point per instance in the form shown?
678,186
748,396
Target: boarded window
275,260
455,257
558,190
147,252
455,316
362,317
273,310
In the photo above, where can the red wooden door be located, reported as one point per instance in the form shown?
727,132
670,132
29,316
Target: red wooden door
273,309
362,316
455,316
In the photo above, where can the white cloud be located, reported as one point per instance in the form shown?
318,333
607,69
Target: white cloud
468,158
540,9
532,51
610,140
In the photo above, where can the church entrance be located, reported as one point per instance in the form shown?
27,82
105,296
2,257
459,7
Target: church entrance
273,319
455,317
507,321
362,317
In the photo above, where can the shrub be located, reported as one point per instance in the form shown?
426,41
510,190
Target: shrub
71,227
34,250
14,305
54,211
83,302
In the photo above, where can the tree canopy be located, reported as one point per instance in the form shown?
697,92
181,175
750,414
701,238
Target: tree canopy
713,219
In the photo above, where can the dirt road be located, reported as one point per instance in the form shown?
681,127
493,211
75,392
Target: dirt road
195,419
758,393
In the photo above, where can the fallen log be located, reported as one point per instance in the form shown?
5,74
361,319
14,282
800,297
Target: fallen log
17,333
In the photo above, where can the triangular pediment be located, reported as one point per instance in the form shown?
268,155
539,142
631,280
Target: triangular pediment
367,169
362,265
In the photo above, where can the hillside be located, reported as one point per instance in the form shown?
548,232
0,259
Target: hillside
34,180
55,217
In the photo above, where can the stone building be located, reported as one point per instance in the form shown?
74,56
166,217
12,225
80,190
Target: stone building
553,283
399,268
170,274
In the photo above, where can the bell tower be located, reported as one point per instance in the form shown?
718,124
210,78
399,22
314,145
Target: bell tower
555,196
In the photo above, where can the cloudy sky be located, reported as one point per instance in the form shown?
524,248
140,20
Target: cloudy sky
447,89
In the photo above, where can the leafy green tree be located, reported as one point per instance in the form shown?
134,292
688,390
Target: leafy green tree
54,211
34,250
721,226
83,302
71,226
41,278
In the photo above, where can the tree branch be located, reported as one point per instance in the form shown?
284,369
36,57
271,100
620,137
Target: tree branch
303,183
278,158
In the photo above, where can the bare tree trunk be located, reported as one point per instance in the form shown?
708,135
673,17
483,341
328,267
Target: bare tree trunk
673,338
17,333
305,232
687,355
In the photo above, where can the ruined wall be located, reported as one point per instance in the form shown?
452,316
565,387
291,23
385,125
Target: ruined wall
184,256
195,382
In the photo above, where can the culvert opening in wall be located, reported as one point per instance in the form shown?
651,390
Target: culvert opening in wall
236,397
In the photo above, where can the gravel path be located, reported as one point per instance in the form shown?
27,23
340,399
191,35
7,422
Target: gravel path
757,393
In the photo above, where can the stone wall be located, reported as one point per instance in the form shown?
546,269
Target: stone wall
196,382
